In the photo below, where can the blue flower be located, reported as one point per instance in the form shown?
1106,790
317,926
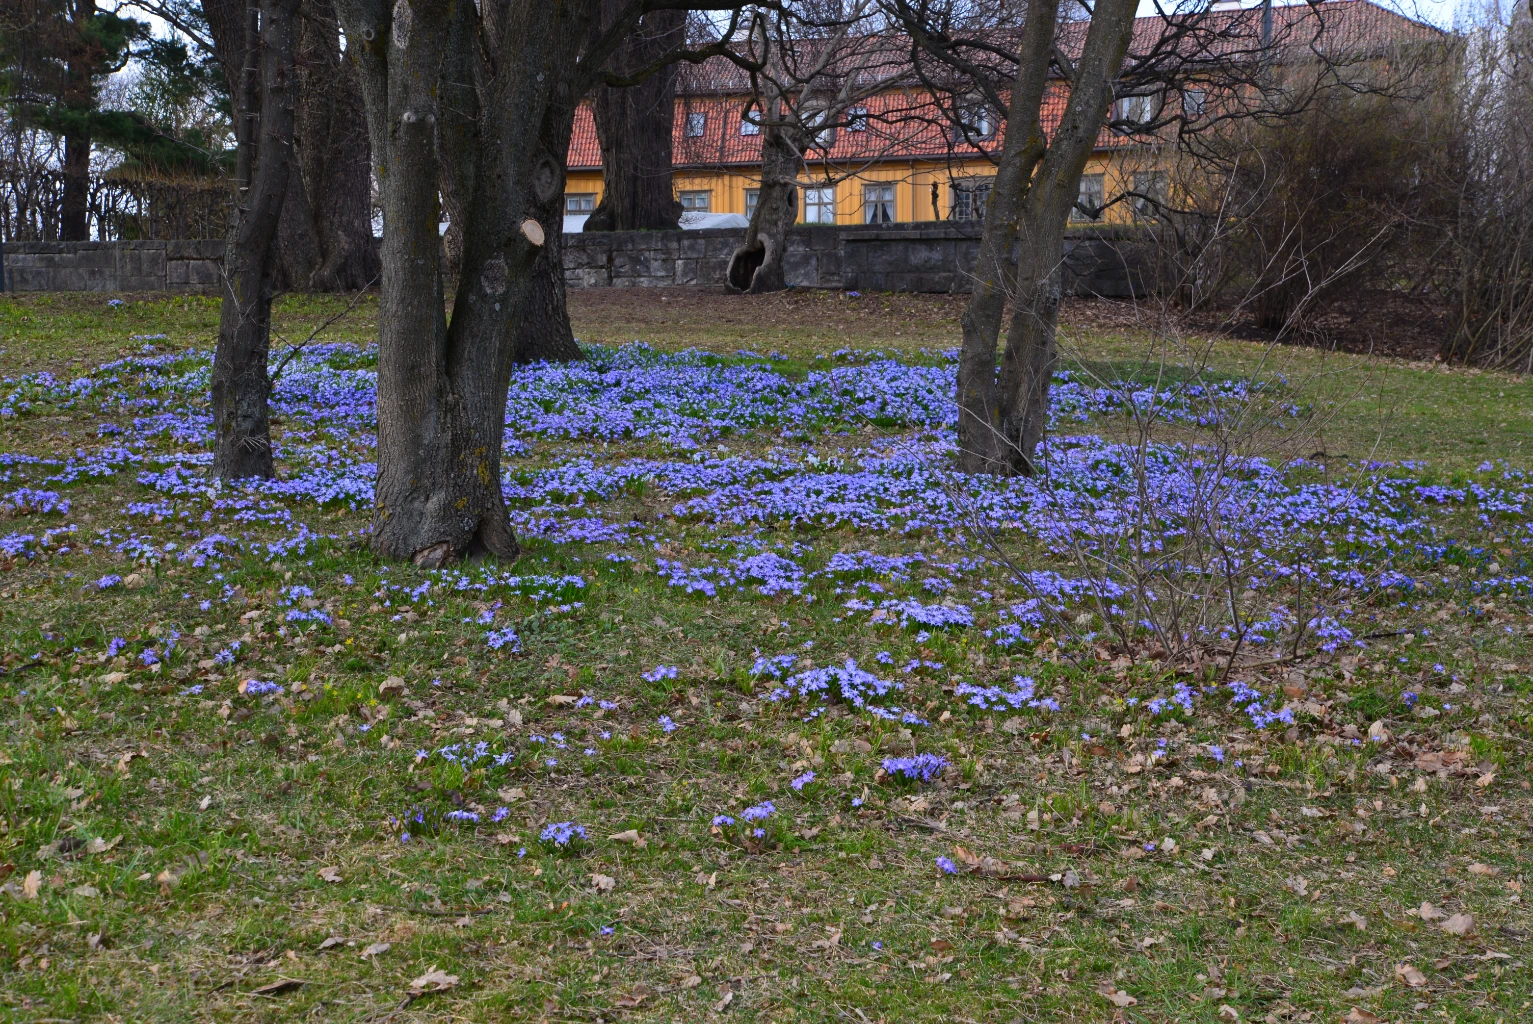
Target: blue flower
947,866
802,781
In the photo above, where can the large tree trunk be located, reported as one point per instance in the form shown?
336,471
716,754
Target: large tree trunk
633,127
80,97
1002,416
332,148
541,328
325,237
757,265
241,384
492,88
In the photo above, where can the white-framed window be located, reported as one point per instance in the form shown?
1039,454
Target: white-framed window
1135,109
968,197
1194,102
1150,192
974,120
698,201
579,202
752,200
820,205
878,204
750,122
819,138
697,125
857,119
1088,202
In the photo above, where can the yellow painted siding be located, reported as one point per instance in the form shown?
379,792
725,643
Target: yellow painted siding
912,181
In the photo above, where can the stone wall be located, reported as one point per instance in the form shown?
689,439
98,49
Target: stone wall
894,257
191,266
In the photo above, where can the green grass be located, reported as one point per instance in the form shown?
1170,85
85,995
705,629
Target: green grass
228,808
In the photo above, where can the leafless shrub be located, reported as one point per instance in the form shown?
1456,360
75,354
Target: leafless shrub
1201,527
1488,251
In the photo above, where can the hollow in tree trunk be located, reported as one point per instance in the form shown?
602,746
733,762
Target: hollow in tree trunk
633,127
241,384
757,265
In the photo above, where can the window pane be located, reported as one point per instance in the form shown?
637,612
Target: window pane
579,202
969,196
819,206
696,202
1089,198
696,124
878,204
752,199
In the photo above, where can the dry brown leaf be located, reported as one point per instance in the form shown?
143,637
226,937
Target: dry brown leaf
1485,780
691,981
332,941
1459,924
1357,920
393,684
603,883
559,700
628,1000
724,1001
1410,975
376,949
1430,913
330,874
630,836
1117,997
1483,869
32,885
1357,1015
434,980
278,987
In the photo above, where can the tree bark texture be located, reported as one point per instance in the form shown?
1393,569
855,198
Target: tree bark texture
325,237
487,93
541,328
241,383
79,95
1002,415
633,127
757,265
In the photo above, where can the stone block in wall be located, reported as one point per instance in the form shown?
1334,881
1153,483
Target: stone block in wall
686,271
140,263
801,269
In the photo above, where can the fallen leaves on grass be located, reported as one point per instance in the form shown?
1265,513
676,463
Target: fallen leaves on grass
434,980
1458,924
330,874
630,836
376,949
1410,975
278,987
1117,997
628,1000
603,883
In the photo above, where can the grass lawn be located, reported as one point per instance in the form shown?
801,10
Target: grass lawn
751,731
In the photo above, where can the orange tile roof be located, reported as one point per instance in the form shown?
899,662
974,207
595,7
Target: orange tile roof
906,122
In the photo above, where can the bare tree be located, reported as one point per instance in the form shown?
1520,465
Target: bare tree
489,90
1489,253
633,128
811,66
241,385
